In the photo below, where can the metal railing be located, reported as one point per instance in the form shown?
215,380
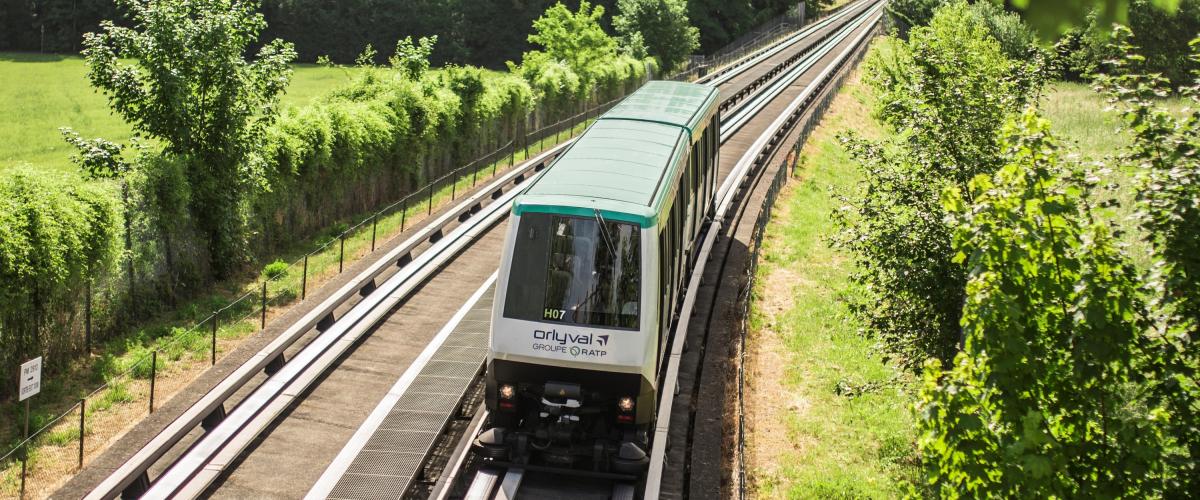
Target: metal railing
766,35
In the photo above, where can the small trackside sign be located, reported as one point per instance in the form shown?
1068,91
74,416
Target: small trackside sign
31,378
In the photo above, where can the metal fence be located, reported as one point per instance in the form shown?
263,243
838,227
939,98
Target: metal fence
762,36
249,312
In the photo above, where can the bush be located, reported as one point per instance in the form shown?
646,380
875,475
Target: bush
947,90
1037,404
275,270
1163,40
56,232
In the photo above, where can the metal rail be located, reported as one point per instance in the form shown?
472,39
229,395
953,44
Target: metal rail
736,68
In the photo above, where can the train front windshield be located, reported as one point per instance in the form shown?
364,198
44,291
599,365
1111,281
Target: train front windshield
575,270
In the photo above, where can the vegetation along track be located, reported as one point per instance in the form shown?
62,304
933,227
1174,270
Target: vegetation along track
377,312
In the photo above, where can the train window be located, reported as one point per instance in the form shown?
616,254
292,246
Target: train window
664,279
575,270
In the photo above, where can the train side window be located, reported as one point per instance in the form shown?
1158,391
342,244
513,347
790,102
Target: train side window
697,184
664,297
677,235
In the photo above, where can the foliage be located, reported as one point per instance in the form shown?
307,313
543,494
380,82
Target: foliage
1055,17
189,85
661,27
56,232
1036,404
99,159
412,59
1164,153
1163,38
575,38
723,21
912,13
366,57
947,90
1016,38
275,270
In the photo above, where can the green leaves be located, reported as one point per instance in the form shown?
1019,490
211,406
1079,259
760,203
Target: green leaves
190,85
1164,155
948,91
1052,321
659,27
54,232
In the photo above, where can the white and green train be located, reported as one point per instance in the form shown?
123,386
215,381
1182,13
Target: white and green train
591,273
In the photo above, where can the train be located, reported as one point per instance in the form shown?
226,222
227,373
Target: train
590,280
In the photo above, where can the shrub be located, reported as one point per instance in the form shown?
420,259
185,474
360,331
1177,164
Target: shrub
275,270
947,90
1036,404
56,232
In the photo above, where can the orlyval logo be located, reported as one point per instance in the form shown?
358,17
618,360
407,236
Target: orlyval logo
564,338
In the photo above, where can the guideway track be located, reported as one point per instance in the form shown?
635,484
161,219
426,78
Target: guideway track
208,461
755,149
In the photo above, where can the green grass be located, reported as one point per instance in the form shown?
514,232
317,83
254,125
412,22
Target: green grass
42,92
1080,118
845,429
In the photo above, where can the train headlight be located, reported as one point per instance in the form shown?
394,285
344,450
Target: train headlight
625,404
507,391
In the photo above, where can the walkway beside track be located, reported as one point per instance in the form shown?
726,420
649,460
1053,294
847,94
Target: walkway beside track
385,457
307,439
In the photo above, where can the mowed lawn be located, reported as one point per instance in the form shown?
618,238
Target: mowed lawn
40,93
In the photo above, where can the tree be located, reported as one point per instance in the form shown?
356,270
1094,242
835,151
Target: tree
1054,17
661,25
575,38
1038,402
948,90
179,74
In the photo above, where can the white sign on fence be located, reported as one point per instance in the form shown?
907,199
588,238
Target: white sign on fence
31,378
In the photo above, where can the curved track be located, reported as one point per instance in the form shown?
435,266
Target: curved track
341,355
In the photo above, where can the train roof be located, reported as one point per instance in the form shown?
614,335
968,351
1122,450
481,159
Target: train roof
623,162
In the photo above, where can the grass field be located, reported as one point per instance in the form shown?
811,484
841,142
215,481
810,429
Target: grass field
827,418
1080,119
42,92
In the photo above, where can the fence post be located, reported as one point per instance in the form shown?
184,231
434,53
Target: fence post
374,229
87,317
214,337
342,252
153,375
24,460
264,305
474,173
304,279
453,185
403,213
430,209
82,412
